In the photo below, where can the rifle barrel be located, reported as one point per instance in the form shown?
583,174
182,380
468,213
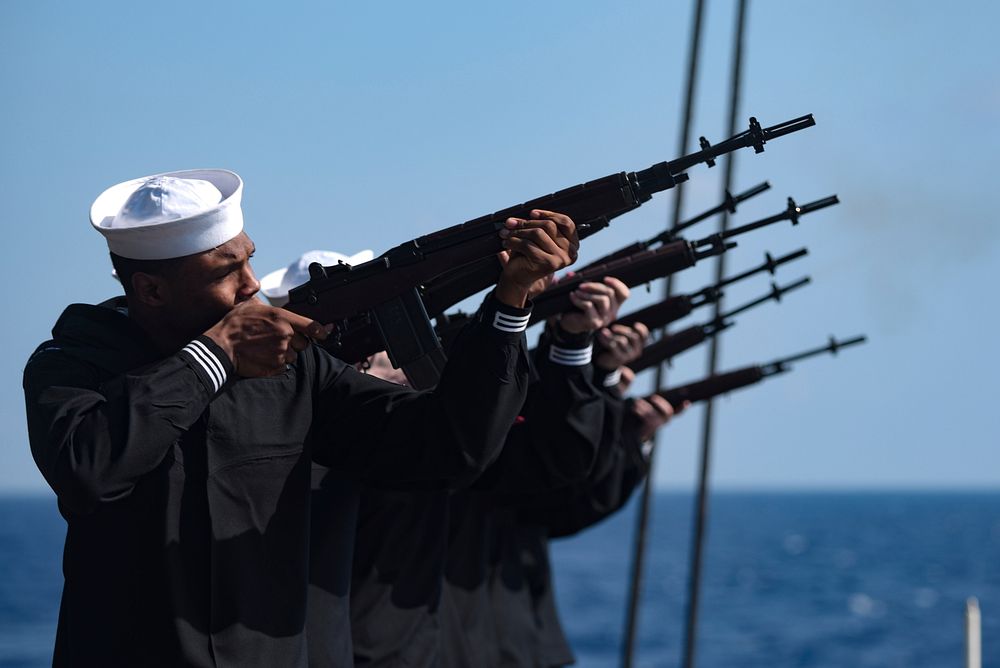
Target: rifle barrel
832,347
659,177
728,205
775,294
792,212
769,265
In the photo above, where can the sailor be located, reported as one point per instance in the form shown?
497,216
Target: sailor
403,539
522,605
177,425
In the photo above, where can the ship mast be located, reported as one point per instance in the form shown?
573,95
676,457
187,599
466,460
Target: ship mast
643,512
701,507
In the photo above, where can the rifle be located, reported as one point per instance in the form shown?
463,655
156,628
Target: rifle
670,258
594,204
728,204
674,344
378,306
674,308
723,383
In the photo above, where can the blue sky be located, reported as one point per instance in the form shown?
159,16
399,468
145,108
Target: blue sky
361,125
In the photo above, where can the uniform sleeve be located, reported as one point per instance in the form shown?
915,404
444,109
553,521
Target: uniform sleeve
390,436
555,441
93,438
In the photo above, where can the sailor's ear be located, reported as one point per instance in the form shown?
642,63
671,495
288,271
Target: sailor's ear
150,289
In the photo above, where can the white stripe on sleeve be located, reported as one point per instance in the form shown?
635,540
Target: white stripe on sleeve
612,378
206,362
511,323
571,356
213,360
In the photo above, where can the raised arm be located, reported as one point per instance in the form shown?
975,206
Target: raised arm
389,435
97,426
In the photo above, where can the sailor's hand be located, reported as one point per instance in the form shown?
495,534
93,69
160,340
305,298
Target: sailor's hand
596,305
538,246
380,367
539,286
260,340
620,344
653,412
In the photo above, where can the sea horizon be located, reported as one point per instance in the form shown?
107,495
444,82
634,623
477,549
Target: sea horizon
862,577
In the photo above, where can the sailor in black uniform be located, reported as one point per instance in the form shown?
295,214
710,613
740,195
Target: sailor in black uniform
403,539
522,606
177,426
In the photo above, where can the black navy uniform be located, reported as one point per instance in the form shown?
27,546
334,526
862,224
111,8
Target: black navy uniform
404,540
521,596
186,489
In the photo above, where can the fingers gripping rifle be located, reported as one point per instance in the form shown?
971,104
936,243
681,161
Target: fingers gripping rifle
674,344
723,383
661,314
594,204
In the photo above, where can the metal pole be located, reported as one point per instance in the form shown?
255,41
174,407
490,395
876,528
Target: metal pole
643,512
701,508
973,635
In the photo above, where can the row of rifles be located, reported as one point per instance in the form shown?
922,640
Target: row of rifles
400,301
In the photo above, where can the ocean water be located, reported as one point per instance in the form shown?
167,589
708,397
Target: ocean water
790,579
794,579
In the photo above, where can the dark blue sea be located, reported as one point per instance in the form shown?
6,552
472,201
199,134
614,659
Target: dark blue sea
790,579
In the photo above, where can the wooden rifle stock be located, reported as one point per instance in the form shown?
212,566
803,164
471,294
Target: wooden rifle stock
663,313
633,270
591,205
722,383
671,345
713,386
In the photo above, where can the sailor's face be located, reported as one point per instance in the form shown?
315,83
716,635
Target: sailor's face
215,281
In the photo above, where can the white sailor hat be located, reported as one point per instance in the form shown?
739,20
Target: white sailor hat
170,215
278,284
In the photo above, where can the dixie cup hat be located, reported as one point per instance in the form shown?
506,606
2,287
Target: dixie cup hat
170,215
